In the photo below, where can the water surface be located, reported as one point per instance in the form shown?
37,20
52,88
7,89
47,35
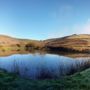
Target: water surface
41,66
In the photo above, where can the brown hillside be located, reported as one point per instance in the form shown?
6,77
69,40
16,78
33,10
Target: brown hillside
80,43
74,42
6,40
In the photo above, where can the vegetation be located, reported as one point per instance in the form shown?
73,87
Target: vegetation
79,81
45,73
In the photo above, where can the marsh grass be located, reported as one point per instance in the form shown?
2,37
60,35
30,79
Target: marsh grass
77,81
15,68
78,67
45,73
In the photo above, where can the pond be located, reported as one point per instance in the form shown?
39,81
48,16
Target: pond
42,66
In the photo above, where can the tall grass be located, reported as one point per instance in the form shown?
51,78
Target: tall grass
49,73
76,67
62,71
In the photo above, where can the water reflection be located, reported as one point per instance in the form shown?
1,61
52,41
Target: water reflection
42,66
67,54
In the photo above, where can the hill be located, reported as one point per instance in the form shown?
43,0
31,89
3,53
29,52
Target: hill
72,43
78,43
11,43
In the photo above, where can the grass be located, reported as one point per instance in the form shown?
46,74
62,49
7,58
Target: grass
45,73
78,81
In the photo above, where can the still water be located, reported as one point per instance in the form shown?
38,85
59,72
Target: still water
41,66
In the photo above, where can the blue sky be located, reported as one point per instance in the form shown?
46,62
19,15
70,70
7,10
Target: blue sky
42,19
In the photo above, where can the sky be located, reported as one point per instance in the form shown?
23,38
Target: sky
43,19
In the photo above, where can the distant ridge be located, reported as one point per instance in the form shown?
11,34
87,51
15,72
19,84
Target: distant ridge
75,42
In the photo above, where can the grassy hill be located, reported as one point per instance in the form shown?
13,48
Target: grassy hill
10,43
78,43
73,43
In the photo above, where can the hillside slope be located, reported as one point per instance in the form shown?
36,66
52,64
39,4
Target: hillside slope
7,40
10,43
77,43
80,43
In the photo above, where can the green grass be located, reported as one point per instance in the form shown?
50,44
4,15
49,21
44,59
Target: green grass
78,81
